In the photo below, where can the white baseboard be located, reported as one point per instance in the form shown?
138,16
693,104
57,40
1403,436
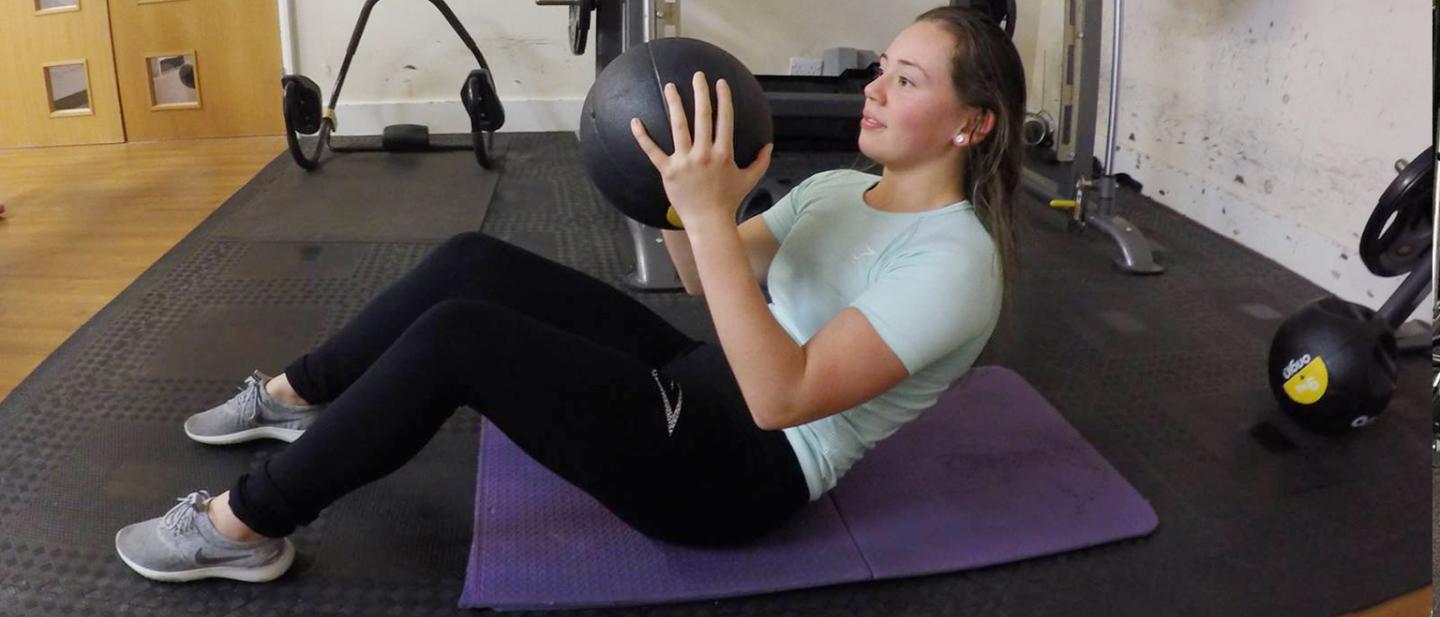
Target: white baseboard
521,115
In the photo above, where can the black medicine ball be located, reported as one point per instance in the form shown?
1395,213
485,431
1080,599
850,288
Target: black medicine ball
1332,366
632,86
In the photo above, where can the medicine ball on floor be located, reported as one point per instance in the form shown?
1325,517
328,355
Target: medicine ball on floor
1332,365
632,86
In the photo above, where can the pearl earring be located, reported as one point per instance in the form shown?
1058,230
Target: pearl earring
960,139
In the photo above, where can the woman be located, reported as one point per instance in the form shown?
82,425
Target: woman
892,284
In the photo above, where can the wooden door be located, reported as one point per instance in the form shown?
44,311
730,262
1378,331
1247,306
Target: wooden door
59,83
197,68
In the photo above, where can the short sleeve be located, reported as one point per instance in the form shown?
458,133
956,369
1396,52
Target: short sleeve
781,217
926,306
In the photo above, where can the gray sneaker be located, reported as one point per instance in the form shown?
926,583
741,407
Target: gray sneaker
251,414
184,546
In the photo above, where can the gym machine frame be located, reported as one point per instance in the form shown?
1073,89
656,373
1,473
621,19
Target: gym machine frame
1065,185
620,25
304,112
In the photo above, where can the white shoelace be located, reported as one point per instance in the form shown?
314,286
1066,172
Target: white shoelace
181,518
249,400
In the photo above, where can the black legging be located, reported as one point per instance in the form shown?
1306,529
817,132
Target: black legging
569,368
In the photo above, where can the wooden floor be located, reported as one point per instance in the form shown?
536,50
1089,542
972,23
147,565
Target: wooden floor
85,221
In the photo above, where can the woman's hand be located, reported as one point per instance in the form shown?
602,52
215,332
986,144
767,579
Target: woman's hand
701,178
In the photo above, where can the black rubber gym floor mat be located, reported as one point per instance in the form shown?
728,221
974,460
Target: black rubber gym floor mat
1164,375
1435,537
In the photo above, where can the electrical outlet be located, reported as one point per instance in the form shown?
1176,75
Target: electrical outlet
806,66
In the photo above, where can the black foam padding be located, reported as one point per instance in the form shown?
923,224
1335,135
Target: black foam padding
1164,375
406,138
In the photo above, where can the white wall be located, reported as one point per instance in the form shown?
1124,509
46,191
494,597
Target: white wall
1311,111
410,64
540,81
764,35
1276,123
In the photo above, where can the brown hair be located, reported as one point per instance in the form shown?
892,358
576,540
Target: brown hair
986,71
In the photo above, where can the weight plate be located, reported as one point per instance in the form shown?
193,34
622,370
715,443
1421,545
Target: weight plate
1400,246
580,25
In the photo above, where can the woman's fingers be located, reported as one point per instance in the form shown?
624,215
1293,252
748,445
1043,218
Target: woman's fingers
679,128
724,121
702,110
756,171
657,156
714,124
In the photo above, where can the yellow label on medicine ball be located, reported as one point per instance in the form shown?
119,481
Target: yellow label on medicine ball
673,217
1309,383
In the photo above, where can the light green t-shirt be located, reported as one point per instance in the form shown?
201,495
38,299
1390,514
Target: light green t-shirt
928,282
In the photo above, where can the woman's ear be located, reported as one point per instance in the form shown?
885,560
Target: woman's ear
975,132
987,122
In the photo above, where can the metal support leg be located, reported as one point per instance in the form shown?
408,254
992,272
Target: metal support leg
653,268
1136,256
1135,253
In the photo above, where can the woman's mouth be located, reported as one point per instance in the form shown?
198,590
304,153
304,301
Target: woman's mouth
867,122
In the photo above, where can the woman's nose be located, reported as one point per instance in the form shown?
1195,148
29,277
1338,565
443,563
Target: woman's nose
873,89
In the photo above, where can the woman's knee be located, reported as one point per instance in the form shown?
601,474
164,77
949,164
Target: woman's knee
475,253
467,243
463,325
452,318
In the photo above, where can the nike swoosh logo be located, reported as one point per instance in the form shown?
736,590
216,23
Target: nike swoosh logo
672,412
206,560
263,421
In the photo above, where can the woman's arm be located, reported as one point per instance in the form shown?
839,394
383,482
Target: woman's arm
677,242
767,363
760,250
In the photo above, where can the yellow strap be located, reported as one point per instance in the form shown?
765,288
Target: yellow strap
673,217
1063,203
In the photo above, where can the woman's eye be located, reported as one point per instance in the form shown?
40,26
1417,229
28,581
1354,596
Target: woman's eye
904,81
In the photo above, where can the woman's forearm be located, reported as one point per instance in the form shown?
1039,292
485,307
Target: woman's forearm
767,362
677,242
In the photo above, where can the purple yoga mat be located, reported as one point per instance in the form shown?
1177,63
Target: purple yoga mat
992,474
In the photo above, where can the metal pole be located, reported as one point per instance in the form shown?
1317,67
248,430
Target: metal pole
1114,85
287,37
1410,294
647,24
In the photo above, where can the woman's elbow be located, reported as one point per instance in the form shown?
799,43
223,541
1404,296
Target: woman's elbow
771,421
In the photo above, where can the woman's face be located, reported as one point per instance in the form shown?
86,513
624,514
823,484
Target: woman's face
912,114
